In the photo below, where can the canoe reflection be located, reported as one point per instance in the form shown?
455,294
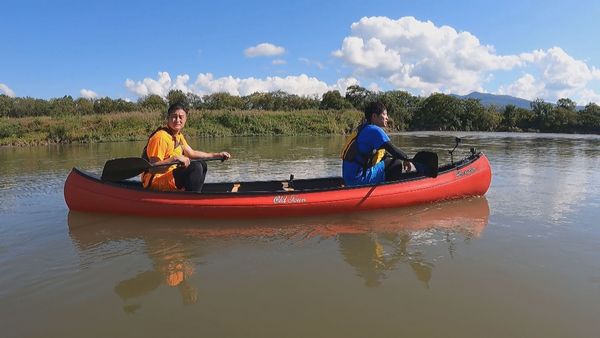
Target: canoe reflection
372,243
396,238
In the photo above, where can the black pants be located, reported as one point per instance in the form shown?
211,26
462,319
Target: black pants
191,177
393,169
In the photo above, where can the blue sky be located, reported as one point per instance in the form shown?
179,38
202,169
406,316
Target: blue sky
128,49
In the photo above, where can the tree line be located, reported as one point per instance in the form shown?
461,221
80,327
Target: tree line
408,112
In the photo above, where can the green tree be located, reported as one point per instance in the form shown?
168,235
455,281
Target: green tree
259,101
509,118
194,101
152,102
295,102
471,114
28,106
541,110
438,112
334,100
223,101
566,104
6,105
524,119
560,119
358,96
64,106
280,100
84,106
120,105
400,107
103,105
487,119
589,119
23,106
177,96
592,108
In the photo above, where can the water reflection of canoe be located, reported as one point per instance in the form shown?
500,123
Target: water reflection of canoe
373,243
301,197
468,216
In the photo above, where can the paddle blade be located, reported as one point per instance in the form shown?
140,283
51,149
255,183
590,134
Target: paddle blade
428,161
119,169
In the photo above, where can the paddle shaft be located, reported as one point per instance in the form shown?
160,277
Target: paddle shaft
124,168
178,162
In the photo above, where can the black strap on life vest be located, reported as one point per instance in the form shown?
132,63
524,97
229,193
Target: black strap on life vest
352,151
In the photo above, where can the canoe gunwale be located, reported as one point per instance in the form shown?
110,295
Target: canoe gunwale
468,177
133,185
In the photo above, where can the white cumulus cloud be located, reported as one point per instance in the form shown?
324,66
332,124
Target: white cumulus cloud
4,89
342,84
421,57
206,84
526,87
561,71
88,94
555,75
586,96
300,85
264,49
414,54
160,86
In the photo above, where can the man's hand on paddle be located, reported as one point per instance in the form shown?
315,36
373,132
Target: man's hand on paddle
225,155
183,160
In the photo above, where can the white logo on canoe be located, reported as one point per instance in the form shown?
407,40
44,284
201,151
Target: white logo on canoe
465,172
282,199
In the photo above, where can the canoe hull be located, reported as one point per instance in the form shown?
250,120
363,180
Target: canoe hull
89,194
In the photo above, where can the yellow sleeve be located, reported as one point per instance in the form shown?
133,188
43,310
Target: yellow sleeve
157,147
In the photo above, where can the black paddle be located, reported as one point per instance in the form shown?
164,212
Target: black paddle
429,162
119,169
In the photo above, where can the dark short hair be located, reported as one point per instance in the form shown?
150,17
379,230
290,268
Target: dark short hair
375,107
175,107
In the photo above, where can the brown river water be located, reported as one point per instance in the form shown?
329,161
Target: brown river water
523,261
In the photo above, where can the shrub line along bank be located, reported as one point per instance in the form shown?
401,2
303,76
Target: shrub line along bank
66,121
136,126
29,121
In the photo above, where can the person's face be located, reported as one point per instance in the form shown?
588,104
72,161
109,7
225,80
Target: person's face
380,120
176,120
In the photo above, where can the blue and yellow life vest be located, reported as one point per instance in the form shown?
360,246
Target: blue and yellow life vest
350,151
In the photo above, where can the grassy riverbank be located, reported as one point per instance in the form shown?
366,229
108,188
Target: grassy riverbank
138,125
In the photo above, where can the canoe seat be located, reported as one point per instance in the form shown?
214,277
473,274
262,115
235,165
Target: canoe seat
318,183
285,185
260,186
217,187
275,186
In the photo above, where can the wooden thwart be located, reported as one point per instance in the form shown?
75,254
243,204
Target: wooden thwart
286,186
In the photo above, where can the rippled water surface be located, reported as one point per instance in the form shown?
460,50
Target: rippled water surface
523,261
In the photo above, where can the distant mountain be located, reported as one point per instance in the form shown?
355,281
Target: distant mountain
498,100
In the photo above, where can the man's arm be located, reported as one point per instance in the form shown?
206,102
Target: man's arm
394,151
201,155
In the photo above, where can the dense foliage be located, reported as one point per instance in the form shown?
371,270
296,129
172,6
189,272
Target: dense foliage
407,112
136,126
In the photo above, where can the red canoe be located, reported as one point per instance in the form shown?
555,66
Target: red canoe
300,197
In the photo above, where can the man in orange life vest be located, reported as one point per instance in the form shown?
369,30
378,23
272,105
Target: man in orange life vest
168,145
362,156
